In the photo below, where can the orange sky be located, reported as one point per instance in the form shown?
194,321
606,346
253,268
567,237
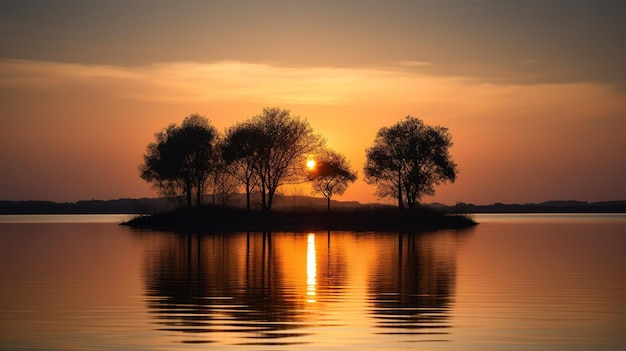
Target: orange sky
536,106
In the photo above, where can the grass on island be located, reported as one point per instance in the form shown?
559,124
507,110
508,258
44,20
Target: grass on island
360,218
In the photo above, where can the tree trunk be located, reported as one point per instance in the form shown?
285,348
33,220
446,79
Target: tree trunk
409,199
189,190
248,196
270,199
328,204
263,201
189,197
400,203
199,191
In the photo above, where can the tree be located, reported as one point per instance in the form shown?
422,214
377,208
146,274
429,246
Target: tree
181,159
408,160
281,144
331,174
240,151
222,182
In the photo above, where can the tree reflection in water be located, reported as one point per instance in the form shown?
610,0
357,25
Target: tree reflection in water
412,285
207,284
288,288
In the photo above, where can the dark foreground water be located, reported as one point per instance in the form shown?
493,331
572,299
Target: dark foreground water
515,282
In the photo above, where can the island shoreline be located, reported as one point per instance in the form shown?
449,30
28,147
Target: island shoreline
212,219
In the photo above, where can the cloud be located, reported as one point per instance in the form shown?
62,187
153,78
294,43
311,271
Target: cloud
414,63
219,81
232,81
567,41
37,75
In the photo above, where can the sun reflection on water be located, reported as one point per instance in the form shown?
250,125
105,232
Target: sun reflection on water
311,269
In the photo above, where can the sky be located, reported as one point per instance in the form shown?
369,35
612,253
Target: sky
532,92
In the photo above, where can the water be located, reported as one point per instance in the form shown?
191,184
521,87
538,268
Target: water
515,282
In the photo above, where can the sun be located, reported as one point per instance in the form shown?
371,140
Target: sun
310,164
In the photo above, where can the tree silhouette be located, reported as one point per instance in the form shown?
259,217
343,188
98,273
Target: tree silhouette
240,151
408,160
179,162
222,180
281,144
331,174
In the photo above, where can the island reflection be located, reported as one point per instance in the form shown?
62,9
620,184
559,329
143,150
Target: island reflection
287,288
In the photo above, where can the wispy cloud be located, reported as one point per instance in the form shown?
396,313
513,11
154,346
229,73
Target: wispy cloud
220,81
414,63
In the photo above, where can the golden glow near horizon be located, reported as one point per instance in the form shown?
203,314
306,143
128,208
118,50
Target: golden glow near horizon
310,164
311,269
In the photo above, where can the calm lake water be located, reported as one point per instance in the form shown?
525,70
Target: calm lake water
515,282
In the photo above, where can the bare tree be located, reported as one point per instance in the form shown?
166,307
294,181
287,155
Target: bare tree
282,143
222,182
240,151
331,174
408,160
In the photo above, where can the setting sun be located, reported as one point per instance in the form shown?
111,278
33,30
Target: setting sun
310,164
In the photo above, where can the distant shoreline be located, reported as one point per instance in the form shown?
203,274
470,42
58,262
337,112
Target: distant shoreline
225,219
290,203
544,207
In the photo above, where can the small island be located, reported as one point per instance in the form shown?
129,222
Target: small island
219,219
274,149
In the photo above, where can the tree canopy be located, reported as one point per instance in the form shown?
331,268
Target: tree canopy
181,159
408,160
330,174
